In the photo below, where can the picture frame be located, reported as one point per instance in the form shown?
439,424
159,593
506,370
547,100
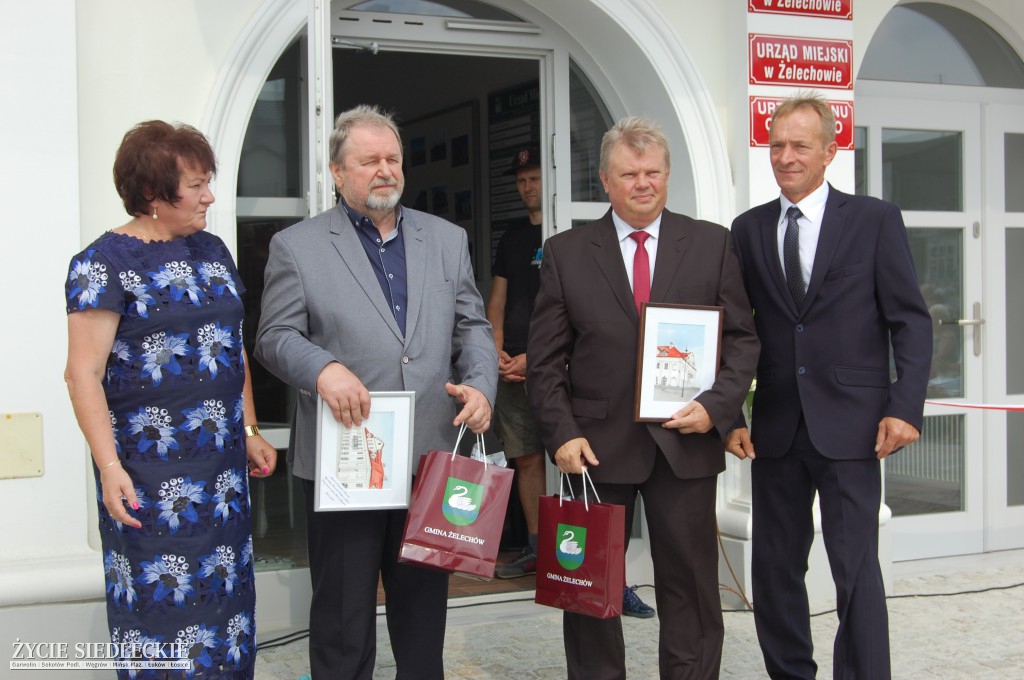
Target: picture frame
366,467
678,354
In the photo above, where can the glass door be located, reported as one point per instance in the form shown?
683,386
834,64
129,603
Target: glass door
926,158
1004,328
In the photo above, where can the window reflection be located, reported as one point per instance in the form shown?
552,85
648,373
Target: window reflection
922,169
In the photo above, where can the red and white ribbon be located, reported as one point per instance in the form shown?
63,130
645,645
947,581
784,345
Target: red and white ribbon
983,407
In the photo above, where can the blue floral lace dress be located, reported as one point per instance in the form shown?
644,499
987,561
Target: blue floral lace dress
174,388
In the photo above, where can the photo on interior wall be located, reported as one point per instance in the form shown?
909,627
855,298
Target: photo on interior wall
680,348
460,150
463,205
439,199
438,149
417,151
366,466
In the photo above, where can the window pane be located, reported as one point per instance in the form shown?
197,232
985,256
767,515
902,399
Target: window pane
860,161
925,42
1015,459
1013,154
438,8
928,476
279,526
938,258
271,161
922,169
588,121
1014,311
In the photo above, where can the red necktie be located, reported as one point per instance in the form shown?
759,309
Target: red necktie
641,270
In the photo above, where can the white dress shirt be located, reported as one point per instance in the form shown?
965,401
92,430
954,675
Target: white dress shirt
813,209
628,245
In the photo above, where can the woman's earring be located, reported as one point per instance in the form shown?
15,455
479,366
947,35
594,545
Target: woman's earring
154,212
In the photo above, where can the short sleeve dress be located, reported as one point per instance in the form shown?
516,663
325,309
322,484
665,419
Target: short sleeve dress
174,389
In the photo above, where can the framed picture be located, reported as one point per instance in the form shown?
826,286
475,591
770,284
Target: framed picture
366,467
680,347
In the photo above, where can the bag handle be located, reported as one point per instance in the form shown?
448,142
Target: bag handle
479,440
586,478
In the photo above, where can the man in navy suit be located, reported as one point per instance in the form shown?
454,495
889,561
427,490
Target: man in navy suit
832,284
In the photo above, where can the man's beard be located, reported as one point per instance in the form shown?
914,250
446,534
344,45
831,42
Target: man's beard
383,202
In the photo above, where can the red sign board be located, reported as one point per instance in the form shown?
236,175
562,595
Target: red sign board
826,9
806,62
762,109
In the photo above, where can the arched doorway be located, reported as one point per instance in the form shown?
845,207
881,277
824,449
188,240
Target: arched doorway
522,42
940,115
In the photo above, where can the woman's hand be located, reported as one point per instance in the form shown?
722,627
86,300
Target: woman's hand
119,494
261,455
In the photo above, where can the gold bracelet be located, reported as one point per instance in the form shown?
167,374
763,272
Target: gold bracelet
116,460
251,431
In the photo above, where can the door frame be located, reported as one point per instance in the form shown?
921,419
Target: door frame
962,532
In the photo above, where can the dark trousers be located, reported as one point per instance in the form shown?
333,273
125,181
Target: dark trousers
347,552
681,521
783,530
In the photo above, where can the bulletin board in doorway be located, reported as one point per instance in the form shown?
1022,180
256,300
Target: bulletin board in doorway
441,168
513,123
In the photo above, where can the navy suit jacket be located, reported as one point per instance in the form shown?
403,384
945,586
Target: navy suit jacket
581,374
829,358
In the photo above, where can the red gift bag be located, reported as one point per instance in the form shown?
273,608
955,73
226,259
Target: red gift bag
581,554
456,513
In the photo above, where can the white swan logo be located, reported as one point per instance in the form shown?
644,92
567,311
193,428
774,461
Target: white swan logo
461,501
571,550
568,546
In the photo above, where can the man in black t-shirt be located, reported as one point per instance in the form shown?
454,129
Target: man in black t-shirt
516,273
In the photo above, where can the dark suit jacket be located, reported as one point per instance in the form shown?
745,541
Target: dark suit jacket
581,376
830,357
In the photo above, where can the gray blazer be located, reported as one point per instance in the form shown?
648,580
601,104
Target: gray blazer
322,303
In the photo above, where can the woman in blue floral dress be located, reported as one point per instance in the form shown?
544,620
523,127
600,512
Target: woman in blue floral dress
160,386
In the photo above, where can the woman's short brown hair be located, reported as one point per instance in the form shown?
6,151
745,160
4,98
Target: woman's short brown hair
149,162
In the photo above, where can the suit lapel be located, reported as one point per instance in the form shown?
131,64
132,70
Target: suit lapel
832,225
608,256
415,272
345,240
673,240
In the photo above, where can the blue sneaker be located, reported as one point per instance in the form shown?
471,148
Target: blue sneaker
632,605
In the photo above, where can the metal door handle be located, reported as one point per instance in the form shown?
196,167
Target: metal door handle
976,322
962,322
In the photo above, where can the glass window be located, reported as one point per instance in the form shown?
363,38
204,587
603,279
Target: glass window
435,8
922,169
1015,459
1014,311
923,42
271,160
860,161
271,197
1013,155
588,121
938,258
928,476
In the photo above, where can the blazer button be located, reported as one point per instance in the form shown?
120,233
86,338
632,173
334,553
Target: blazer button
405,360
799,328
801,370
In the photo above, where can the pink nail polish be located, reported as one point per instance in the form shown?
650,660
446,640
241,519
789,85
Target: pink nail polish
135,506
266,471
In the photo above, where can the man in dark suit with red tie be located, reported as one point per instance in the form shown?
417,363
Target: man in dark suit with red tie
581,381
832,284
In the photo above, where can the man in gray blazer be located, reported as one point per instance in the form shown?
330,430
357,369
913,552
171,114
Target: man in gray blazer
371,295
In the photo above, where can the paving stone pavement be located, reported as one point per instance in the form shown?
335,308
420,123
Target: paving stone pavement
976,636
